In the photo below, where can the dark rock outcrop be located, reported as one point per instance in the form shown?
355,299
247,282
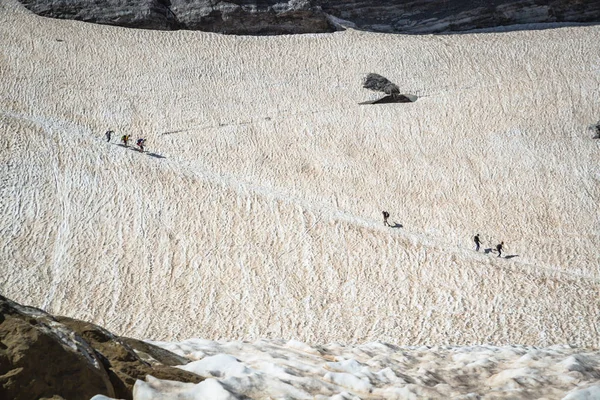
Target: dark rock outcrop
147,14
252,17
120,360
596,129
43,357
153,354
270,17
380,83
437,16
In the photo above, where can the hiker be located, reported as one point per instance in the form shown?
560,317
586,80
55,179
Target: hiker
597,129
499,248
477,242
140,142
386,215
125,139
108,135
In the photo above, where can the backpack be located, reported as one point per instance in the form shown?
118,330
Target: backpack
386,214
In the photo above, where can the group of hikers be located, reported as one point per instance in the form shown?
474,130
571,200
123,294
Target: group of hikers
499,247
125,140
476,239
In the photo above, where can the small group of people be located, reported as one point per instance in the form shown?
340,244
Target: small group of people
125,140
478,243
476,239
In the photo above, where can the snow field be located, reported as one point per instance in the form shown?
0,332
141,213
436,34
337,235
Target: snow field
263,219
276,369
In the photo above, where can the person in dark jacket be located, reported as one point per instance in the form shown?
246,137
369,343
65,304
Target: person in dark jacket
477,242
499,248
386,215
141,142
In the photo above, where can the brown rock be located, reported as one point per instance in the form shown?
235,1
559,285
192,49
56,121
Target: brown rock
123,365
40,358
153,354
43,357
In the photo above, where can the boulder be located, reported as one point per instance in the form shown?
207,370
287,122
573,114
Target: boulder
380,83
46,357
122,363
41,358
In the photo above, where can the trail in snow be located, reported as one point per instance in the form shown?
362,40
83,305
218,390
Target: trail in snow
263,219
323,211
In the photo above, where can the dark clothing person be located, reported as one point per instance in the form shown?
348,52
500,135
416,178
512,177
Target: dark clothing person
477,242
140,143
499,248
386,215
108,135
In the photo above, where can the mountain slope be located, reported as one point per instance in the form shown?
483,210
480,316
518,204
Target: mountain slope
256,212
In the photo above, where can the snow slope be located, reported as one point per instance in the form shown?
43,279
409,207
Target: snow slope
257,211
277,369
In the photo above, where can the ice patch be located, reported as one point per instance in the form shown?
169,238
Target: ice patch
220,366
349,381
589,393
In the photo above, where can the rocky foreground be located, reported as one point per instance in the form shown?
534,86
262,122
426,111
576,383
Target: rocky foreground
271,17
42,356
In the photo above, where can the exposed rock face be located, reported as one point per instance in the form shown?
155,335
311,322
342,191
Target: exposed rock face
148,14
121,362
436,16
252,17
244,17
38,351
153,354
270,17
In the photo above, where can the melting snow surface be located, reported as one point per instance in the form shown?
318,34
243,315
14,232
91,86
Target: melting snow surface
276,369
257,212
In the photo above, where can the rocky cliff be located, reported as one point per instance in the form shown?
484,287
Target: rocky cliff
269,17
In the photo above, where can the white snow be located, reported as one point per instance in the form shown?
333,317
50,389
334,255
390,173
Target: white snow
589,393
255,217
220,365
263,219
271,369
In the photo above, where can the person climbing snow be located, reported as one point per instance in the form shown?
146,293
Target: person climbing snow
499,248
386,215
141,142
108,135
125,139
477,242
